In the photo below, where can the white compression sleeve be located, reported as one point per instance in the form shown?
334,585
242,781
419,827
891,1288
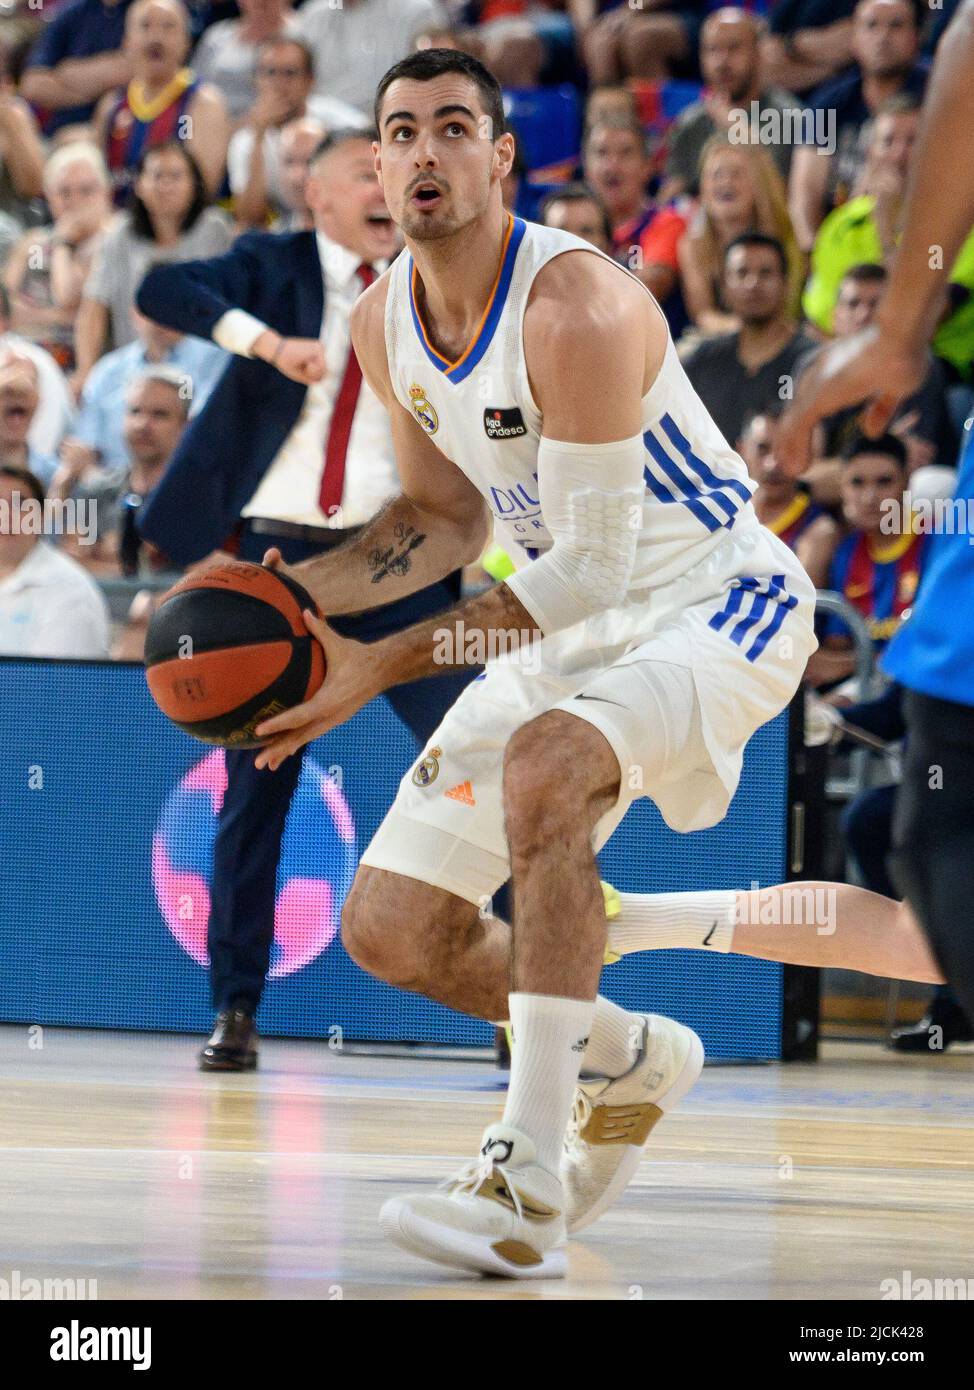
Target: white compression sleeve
591,502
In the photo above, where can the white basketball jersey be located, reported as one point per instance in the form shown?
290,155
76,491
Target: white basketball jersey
480,413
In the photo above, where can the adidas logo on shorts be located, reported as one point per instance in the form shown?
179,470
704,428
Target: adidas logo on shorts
463,791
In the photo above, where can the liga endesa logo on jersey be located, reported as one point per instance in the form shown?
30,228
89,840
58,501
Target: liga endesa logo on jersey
504,424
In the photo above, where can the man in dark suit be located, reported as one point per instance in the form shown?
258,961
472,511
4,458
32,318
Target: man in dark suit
293,451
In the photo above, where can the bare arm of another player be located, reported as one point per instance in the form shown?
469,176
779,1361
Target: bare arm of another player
593,342
888,360
435,526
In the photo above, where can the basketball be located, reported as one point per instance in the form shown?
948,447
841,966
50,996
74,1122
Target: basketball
228,648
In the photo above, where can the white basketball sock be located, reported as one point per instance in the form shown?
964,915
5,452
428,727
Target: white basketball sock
550,1035
614,1042
653,921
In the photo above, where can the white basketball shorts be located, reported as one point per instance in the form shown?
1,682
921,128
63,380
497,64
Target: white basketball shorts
677,681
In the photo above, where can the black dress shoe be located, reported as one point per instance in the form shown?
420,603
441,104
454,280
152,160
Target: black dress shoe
945,1023
232,1046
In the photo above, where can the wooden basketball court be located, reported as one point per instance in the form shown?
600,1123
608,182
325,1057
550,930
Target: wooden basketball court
120,1163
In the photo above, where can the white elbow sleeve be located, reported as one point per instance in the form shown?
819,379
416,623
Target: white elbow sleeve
591,502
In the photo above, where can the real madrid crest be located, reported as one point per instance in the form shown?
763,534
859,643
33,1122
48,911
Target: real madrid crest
428,770
423,410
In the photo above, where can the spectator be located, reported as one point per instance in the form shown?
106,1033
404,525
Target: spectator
877,566
922,421
615,162
738,373
77,59
866,228
610,103
299,140
578,209
808,42
730,60
97,440
157,406
620,41
19,399
56,407
524,44
885,45
164,101
48,605
285,76
741,191
168,221
354,44
49,265
21,152
782,503
227,53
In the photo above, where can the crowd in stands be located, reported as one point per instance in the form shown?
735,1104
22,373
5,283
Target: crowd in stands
747,162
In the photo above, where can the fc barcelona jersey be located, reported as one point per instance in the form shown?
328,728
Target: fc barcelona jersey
795,520
880,582
135,125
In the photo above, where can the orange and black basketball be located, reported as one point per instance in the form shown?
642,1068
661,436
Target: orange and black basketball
228,648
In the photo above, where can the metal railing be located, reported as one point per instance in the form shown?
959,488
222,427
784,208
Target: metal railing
862,769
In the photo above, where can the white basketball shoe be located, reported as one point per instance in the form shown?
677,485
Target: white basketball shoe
502,1214
613,1118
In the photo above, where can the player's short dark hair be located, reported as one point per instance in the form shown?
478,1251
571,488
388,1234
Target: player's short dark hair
865,274
28,480
343,136
576,193
760,239
279,40
886,444
429,63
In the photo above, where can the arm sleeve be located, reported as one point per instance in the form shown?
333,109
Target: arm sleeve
592,503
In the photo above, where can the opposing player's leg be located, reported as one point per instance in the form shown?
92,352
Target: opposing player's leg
418,936
804,923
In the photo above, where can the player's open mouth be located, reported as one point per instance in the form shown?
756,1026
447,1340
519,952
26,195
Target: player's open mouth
426,195
379,219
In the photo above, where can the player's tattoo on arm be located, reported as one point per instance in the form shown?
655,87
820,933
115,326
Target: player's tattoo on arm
395,559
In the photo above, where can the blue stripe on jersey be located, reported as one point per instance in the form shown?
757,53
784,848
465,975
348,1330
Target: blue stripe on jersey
762,592
681,443
461,369
678,484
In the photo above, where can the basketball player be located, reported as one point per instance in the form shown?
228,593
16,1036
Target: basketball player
651,627
933,654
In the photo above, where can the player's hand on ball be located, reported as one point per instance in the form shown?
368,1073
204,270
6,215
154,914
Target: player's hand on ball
351,681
